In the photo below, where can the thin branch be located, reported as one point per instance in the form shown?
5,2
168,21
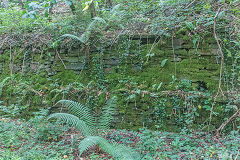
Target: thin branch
237,155
190,4
211,112
220,50
218,131
61,59
23,65
10,64
174,56
153,45
221,65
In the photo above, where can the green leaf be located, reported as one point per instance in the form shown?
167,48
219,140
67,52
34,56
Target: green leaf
164,62
159,86
108,112
79,110
229,54
2,84
73,121
118,151
195,40
189,25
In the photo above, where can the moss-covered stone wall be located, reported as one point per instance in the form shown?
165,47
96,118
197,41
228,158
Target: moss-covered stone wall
136,69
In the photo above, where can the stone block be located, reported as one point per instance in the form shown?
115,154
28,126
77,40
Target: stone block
50,72
177,43
181,52
71,59
34,66
76,66
112,62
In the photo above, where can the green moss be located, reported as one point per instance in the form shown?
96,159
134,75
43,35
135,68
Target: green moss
66,77
132,112
181,52
186,38
37,57
181,31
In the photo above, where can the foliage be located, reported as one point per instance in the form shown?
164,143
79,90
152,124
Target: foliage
118,151
161,145
81,116
148,54
82,119
12,21
95,25
2,84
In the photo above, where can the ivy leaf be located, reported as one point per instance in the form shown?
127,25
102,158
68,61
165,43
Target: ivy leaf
159,86
164,62
229,54
138,91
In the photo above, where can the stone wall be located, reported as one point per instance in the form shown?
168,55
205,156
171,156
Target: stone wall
137,60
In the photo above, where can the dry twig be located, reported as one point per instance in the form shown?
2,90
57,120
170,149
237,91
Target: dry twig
218,131
221,65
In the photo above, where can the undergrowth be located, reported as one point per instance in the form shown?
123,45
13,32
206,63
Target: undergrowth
174,66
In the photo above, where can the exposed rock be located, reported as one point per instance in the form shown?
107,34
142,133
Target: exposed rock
71,59
177,59
177,43
112,62
50,72
34,66
137,68
76,66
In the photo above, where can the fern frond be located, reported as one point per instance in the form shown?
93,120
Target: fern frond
2,84
91,141
73,121
126,153
119,152
77,109
107,113
73,37
115,9
86,35
95,22
92,26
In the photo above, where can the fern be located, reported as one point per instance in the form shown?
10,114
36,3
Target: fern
126,152
73,37
95,22
80,117
73,121
2,84
77,109
107,113
57,92
119,152
86,35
